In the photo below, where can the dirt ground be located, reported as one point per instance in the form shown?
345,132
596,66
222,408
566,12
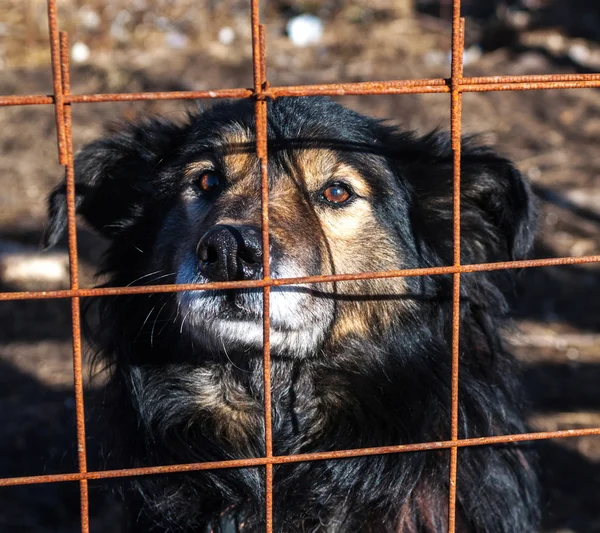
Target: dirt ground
553,136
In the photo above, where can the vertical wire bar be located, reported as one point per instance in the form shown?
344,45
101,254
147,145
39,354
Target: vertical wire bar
262,39
257,59
74,279
458,34
57,81
65,75
259,69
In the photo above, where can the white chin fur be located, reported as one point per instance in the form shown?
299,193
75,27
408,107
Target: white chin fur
231,334
298,323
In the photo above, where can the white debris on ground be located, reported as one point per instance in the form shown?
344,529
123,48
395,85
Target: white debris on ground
472,54
80,52
26,268
435,58
177,40
89,18
226,35
305,30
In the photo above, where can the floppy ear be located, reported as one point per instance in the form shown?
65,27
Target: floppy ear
114,178
498,214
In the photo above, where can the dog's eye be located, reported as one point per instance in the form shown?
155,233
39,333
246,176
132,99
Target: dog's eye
209,181
337,193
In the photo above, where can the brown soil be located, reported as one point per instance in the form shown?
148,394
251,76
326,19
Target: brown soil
552,135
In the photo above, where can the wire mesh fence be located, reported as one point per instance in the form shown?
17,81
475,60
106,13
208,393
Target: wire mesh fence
260,93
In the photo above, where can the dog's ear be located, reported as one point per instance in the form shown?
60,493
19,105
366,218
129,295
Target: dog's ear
114,178
498,215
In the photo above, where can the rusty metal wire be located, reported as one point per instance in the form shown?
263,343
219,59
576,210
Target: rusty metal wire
456,85
278,282
298,458
260,83
458,38
59,50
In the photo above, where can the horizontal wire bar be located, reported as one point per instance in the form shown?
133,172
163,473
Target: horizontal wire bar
168,95
411,272
443,85
436,85
531,78
26,99
529,86
299,458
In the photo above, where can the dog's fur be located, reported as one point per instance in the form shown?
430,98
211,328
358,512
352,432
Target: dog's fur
354,364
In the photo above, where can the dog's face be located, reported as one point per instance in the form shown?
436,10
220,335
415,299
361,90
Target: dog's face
183,204
355,364
324,218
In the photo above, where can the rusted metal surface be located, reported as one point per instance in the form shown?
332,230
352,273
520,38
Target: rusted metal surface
66,154
458,45
299,458
436,85
260,106
455,85
278,282
59,107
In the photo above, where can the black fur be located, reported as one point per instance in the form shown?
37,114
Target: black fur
389,387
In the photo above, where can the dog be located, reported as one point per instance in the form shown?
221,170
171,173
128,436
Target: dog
355,364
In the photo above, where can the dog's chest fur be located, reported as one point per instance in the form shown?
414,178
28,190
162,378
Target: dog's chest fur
230,401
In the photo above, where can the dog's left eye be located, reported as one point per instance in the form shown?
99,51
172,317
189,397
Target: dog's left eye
209,181
337,193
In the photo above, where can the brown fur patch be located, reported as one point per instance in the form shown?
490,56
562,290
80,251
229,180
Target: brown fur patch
318,166
196,167
356,243
233,412
239,156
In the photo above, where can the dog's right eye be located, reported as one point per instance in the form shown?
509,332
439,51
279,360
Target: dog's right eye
209,181
337,194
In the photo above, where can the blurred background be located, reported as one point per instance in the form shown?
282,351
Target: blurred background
163,45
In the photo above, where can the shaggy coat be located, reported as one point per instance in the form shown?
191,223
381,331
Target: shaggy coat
354,364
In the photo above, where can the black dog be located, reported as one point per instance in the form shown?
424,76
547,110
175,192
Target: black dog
354,364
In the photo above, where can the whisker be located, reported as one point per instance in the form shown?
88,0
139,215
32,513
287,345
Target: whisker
183,321
142,277
154,325
168,321
163,276
142,328
153,279
229,358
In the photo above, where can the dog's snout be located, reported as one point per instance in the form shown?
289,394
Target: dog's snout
229,253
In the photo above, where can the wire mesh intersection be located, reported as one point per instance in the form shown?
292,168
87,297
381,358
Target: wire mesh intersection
456,85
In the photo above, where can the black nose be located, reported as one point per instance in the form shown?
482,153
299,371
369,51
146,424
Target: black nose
229,253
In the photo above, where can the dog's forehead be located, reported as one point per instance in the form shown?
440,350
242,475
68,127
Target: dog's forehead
305,159
236,146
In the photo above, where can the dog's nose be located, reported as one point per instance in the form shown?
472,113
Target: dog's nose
230,253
